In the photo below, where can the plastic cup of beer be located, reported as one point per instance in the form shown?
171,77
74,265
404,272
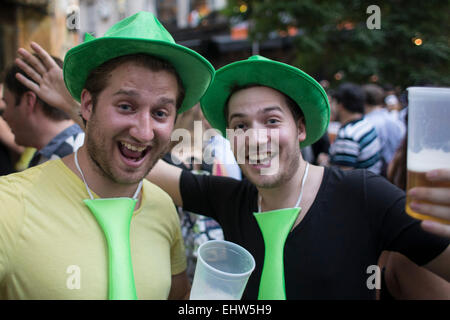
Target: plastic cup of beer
333,128
428,139
222,271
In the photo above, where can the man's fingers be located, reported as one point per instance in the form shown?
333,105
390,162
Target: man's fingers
45,57
28,83
437,211
436,228
32,61
28,70
439,175
435,195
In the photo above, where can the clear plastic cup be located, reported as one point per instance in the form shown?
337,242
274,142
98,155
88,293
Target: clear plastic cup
222,271
428,139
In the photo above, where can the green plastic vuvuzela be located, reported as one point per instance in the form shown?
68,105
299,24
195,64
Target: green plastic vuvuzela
114,217
275,227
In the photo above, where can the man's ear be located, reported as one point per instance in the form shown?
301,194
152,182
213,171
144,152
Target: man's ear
301,128
29,101
87,105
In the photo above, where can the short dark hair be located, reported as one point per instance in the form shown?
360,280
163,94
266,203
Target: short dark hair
18,90
351,96
295,109
374,94
98,77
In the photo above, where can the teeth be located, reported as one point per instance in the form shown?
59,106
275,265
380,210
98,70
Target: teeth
133,148
259,159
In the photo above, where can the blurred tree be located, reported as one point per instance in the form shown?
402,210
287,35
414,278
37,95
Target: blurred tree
334,42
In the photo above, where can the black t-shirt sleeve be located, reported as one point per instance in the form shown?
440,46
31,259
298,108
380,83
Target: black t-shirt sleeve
211,196
168,157
396,230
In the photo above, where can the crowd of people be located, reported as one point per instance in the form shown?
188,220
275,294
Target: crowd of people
101,124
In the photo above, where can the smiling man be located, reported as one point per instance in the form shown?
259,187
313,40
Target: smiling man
130,83
346,218
130,120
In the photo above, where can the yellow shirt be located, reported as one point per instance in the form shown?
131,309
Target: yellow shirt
51,246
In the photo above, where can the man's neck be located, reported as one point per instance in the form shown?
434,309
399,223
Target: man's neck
347,117
98,183
48,130
285,195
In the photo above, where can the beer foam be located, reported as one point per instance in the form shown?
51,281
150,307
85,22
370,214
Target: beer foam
428,159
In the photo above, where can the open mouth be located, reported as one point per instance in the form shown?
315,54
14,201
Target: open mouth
133,152
257,160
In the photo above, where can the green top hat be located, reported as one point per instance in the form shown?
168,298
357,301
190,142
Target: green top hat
303,89
139,33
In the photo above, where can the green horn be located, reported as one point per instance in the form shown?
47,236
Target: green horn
114,217
275,227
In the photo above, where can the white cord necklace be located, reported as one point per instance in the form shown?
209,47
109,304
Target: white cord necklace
87,187
301,191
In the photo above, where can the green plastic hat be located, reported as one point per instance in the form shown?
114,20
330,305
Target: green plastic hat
302,88
139,33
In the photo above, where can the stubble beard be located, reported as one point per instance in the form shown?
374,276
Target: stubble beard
102,161
282,176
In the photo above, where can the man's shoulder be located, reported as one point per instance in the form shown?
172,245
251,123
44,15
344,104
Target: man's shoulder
19,189
209,182
155,195
355,129
355,177
210,195
30,176
158,207
34,182
363,125
355,181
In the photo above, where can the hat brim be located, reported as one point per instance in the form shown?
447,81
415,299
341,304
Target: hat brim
303,89
196,72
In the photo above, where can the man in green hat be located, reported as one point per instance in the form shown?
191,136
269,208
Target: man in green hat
347,217
130,84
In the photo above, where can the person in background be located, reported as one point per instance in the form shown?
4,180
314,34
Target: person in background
391,99
37,124
357,145
9,150
395,103
390,132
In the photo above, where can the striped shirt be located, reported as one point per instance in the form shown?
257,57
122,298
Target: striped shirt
390,131
63,144
357,146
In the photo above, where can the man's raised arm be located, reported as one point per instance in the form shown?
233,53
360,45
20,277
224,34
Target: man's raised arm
167,177
47,81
